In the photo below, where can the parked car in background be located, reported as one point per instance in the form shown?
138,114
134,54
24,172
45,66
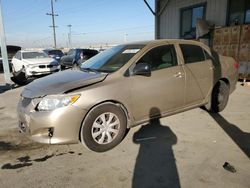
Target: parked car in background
122,87
54,53
11,50
73,58
26,64
101,50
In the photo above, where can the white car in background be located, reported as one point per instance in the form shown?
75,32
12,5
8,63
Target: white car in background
27,64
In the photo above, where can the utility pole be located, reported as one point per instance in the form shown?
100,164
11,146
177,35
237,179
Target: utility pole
52,14
6,67
69,35
125,38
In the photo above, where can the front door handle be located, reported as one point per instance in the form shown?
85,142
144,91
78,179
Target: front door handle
178,75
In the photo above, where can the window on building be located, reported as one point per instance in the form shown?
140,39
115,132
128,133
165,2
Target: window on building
192,53
239,12
189,17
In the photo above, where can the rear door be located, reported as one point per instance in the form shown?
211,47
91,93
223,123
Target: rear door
163,89
69,58
199,72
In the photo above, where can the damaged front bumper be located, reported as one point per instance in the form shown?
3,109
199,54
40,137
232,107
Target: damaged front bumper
60,126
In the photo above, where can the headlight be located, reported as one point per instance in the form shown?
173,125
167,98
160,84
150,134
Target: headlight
50,103
54,63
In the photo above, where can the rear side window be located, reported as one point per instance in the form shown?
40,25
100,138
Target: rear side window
89,53
192,53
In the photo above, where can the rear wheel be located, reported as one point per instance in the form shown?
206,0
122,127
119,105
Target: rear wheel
19,77
103,128
219,97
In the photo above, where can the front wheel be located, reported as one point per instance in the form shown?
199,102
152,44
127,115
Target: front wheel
62,67
19,77
103,128
219,97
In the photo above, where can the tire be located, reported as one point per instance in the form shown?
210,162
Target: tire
219,97
62,67
19,79
103,128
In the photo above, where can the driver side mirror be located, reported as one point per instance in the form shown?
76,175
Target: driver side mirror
143,69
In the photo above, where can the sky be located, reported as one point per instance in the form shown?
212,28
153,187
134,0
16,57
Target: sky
94,22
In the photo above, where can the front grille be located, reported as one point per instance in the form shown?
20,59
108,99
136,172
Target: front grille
25,101
46,66
42,66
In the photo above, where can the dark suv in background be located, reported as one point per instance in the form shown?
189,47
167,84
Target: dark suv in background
11,50
73,57
54,53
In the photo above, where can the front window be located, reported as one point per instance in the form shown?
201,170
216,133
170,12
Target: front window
189,17
32,55
239,12
112,59
160,57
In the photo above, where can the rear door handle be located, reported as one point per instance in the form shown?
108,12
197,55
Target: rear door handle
178,75
212,68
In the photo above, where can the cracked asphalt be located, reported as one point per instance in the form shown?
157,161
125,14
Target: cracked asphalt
185,150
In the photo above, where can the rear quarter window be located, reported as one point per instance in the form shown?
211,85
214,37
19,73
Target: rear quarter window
192,53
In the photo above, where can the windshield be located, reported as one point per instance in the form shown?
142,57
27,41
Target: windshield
31,55
112,59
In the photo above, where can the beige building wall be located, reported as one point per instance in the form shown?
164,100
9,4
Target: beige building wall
168,23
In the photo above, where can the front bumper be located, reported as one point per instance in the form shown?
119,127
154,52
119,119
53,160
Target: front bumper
36,70
60,126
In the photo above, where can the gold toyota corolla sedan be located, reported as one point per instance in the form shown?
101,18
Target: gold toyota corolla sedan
118,88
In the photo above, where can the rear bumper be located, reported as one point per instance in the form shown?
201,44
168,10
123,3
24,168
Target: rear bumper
233,79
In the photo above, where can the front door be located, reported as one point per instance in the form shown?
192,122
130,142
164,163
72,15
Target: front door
163,90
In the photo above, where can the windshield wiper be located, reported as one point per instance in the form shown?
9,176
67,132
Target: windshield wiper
105,70
89,70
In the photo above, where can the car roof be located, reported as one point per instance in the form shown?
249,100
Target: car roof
31,51
52,50
81,49
170,41
164,41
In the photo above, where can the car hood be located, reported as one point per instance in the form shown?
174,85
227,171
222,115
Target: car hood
61,82
38,61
